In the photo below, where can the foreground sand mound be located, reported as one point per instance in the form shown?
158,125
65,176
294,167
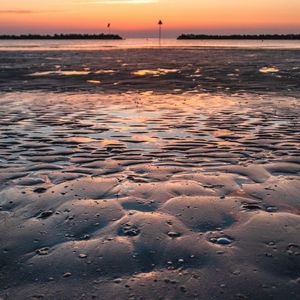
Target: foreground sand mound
144,196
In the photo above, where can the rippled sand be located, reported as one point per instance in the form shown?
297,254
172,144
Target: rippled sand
149,194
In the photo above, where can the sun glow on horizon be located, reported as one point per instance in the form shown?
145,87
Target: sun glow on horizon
140,16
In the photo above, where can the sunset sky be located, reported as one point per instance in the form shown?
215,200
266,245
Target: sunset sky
137,18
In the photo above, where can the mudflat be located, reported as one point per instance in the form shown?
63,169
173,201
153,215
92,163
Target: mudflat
126,175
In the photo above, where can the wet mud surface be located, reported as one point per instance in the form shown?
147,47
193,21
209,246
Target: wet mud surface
160,70
145,195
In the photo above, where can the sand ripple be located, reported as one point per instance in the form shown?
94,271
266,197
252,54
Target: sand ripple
149,196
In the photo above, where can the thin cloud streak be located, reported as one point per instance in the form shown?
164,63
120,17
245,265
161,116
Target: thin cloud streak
25,12
17,11
122,2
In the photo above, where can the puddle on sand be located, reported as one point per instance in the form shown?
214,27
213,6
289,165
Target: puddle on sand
86,71
269,70
156,72
93,81
63,73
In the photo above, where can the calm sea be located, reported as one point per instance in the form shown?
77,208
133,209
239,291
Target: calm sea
26,45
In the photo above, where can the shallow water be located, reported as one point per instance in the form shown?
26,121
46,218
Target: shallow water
174,70
50,45
148,195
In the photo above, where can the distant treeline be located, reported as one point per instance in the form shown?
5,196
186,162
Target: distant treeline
240,37
100,36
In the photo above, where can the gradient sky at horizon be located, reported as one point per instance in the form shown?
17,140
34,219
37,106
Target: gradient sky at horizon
137,18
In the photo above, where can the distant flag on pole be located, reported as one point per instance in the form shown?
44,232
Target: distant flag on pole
108,25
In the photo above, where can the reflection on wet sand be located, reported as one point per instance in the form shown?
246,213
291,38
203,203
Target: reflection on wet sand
149,195
60,72
195,70
269,70
156,72
94,81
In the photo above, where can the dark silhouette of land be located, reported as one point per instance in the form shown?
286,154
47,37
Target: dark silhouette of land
72,36
240,37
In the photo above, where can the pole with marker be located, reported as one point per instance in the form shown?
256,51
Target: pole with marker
160,23
108,26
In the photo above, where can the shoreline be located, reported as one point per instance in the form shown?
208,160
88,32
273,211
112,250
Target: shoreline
138,43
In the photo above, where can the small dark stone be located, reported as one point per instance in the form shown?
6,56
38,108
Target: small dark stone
130,230
40,190
221,240
45,214
271,209
42,251
86,237
251,206
174,234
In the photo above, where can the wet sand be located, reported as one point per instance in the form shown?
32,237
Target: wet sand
165,70
153,188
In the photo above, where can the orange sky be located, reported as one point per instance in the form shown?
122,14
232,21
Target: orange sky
139,17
